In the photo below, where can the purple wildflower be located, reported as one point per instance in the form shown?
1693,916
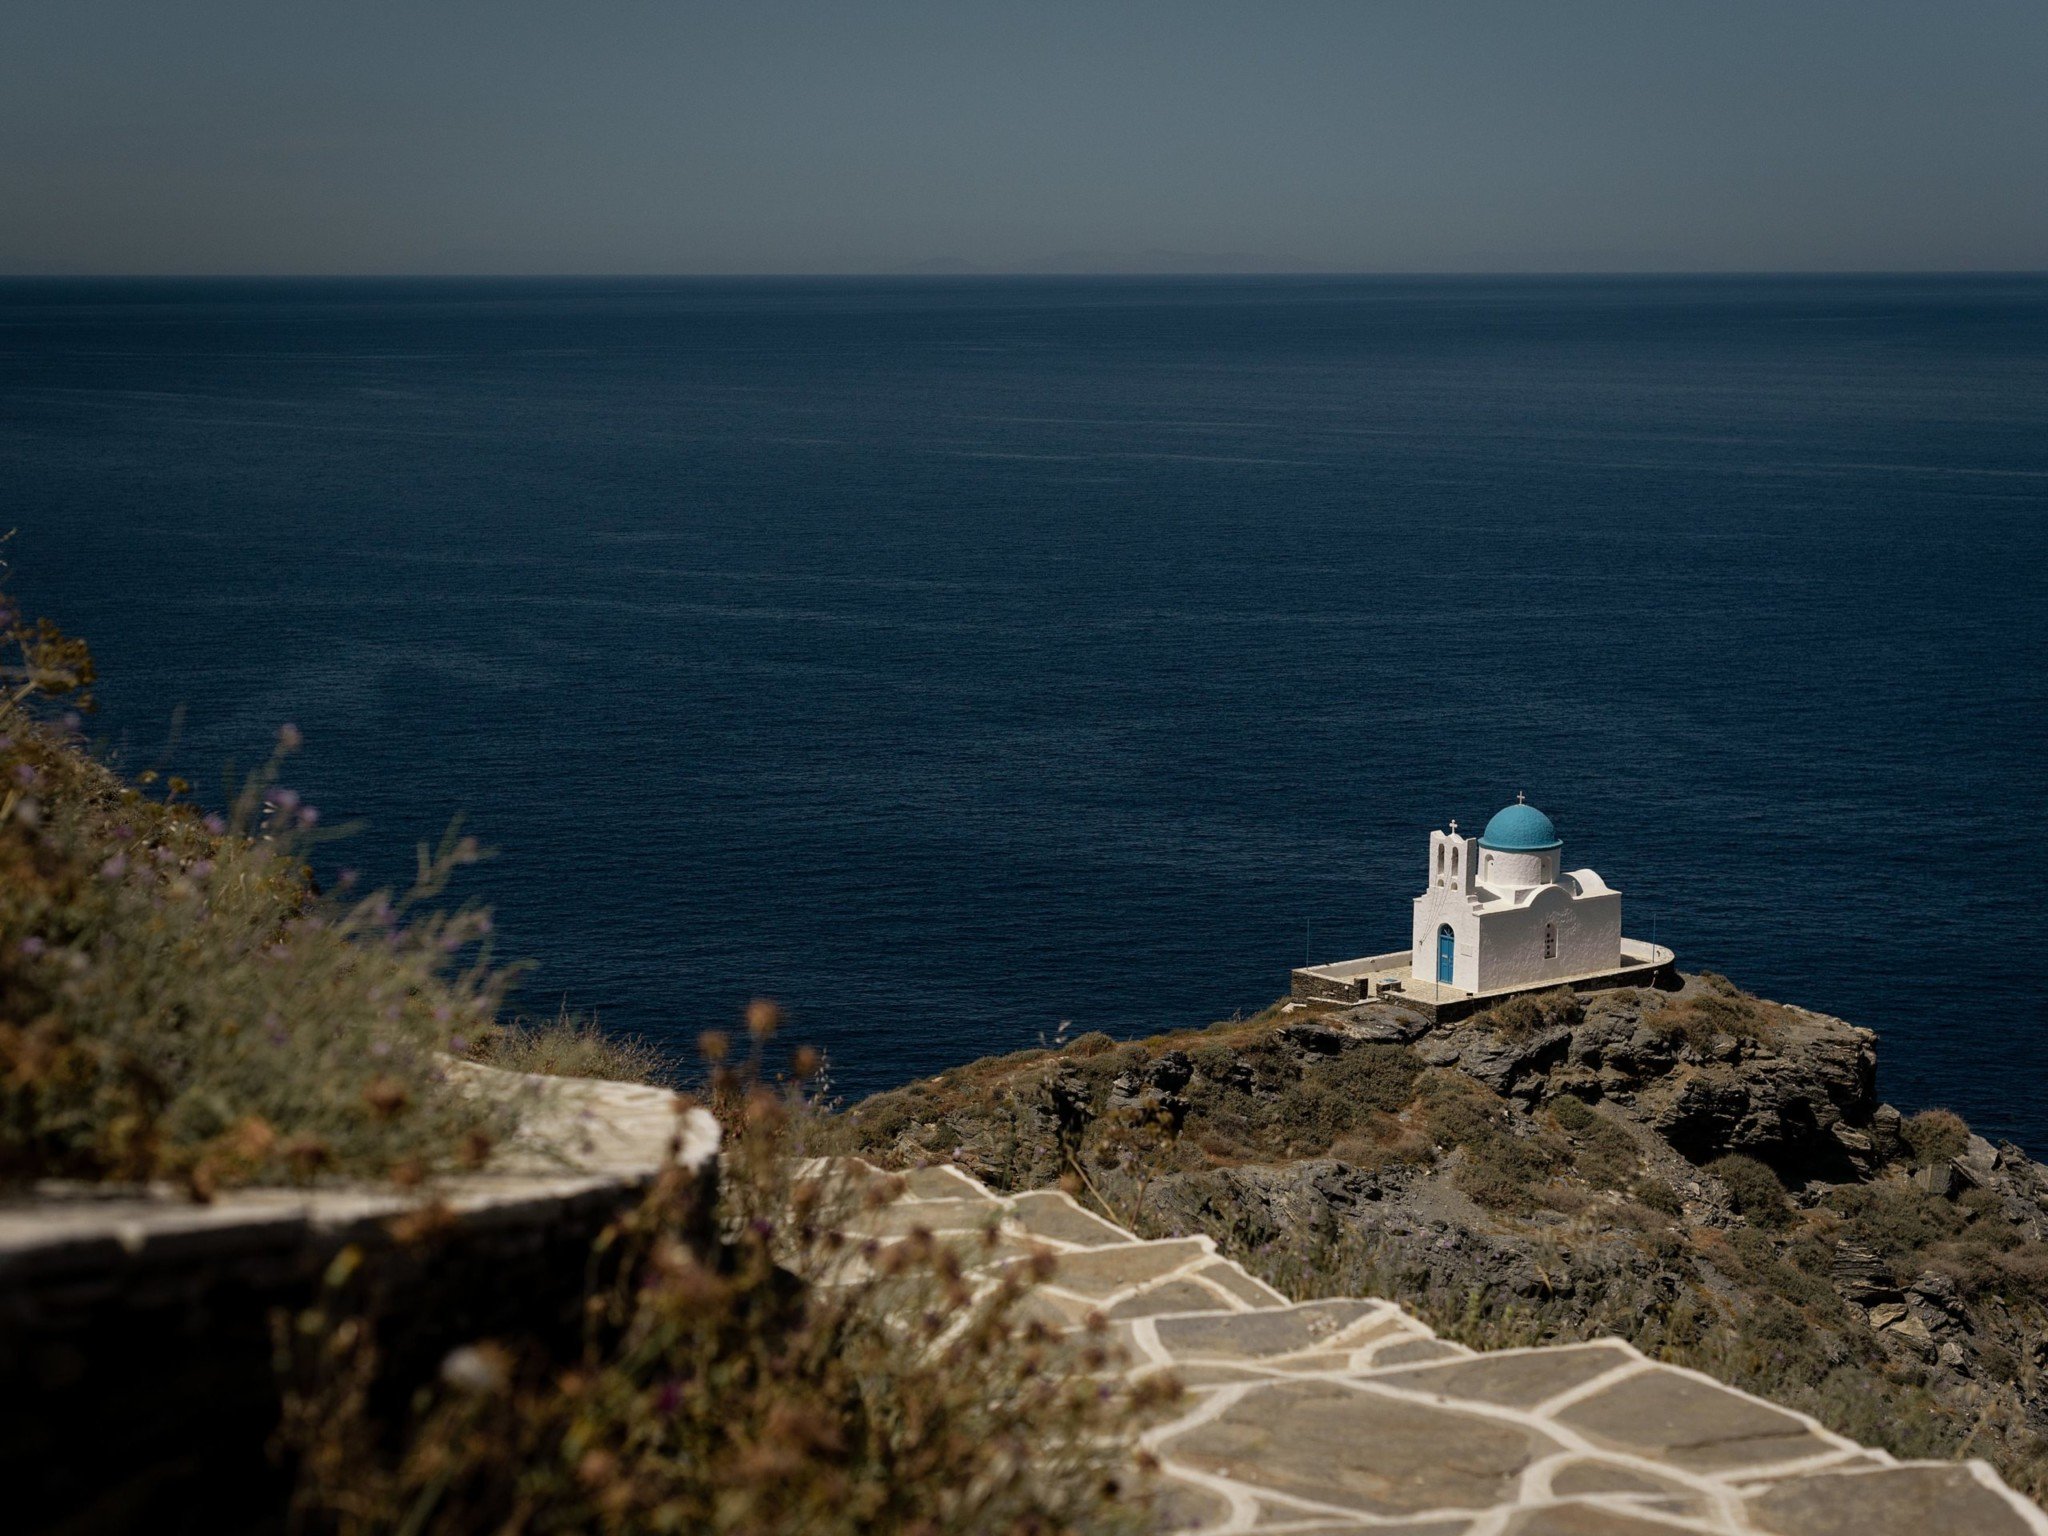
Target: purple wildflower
24,773
289,737
115,867
216,826
459,1044
32,946
380,1047
309,815
346,880
200,868
286,800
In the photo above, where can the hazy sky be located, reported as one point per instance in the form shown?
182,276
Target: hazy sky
841,136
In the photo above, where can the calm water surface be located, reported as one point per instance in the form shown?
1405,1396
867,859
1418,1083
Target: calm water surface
951,659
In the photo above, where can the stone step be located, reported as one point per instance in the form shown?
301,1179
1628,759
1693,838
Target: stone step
1350,1415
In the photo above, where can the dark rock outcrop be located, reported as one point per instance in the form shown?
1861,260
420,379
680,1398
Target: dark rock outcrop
1556,1171
1862,1276
1384,1023
1513,1066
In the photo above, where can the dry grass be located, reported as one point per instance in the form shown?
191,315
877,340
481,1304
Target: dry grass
1718,1012
1753,1190
1520,1018
570,1045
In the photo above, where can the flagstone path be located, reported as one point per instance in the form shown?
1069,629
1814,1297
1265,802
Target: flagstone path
1351,1416
1328,1417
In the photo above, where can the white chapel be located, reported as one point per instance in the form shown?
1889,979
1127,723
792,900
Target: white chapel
1501,913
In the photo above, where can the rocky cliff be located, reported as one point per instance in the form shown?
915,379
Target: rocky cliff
1707,1174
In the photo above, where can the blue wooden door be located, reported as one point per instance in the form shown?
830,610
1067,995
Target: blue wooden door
1446,953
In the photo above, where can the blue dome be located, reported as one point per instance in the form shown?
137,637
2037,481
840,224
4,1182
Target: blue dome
1520,829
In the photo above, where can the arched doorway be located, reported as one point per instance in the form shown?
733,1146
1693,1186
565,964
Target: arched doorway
1446,953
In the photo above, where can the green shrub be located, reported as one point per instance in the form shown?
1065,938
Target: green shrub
1935,1136
877,1122
1307,1117
1336,1097
1370,1076
1894,1219
1753,1189
1768,1270
2018,1272
1659,1197
1775,1322
1458,1112
1605,1154
1502,1172
1570,1113
1810,1257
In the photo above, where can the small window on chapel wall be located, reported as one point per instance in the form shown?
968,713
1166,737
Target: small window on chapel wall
1550,941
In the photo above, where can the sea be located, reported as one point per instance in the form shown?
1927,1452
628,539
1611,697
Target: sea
969,663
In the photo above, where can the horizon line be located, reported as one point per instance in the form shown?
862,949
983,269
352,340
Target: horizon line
912,275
